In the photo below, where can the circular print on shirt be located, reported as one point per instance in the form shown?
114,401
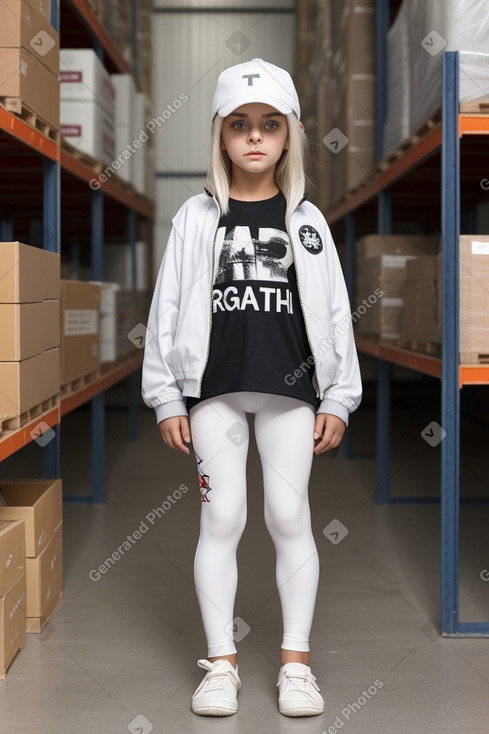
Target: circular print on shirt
310,239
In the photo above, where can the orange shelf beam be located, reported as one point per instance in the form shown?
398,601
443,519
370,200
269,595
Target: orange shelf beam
411,158
473,374
414,360
473,125
84,12
21,130
110,378
12,441
85,173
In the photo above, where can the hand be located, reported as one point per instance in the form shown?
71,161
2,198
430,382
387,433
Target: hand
331,429
175,431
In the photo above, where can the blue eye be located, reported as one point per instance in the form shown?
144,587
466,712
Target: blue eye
239,122
274,124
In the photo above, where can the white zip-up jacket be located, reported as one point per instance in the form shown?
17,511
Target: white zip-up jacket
180,317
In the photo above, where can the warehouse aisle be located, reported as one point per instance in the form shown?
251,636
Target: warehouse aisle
120,652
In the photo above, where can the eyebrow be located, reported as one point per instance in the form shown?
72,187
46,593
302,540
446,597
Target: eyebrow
267,114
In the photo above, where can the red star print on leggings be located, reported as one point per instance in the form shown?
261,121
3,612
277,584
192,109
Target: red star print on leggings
203,481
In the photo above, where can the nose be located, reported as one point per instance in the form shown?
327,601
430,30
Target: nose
254,135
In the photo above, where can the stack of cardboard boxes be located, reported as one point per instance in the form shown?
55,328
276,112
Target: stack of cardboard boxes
381,269
104,116
142,64
29,330
12,591
335,79
29,59
87,104
408,272
352,95
31,559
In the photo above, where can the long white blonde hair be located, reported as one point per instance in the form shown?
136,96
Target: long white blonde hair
289,171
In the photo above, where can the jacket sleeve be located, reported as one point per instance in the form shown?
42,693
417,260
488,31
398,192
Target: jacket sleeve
345,393
159,387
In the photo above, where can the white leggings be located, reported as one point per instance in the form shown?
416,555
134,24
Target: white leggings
284,430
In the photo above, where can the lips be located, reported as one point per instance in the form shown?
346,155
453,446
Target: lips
254,152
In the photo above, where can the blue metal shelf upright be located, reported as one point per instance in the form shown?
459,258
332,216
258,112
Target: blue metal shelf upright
443,139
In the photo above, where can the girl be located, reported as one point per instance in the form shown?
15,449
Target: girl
250,314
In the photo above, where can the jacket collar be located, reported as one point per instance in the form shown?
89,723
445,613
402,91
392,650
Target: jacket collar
300,202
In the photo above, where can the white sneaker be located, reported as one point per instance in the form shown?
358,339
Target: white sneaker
298,691
217,694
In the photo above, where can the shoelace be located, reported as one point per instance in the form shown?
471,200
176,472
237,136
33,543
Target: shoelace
303,677
216,674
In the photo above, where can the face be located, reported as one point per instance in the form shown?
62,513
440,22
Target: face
254,136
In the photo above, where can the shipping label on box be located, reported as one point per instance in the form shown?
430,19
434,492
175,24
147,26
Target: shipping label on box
44,576
39,503
80,321
80,329
12,622
12,553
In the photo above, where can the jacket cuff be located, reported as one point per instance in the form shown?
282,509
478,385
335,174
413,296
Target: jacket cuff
334,408
171,409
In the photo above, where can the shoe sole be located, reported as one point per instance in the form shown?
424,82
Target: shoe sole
213,711
301,712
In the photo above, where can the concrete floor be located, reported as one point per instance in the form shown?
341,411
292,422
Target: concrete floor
119,653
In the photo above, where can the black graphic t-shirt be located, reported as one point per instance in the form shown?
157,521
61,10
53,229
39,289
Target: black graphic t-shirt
258,336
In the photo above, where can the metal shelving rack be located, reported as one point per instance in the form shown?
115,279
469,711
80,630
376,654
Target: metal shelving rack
40,152
444,140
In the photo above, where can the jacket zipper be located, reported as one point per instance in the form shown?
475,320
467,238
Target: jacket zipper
212,283
318,394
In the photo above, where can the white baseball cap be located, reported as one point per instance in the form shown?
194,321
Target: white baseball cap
255,81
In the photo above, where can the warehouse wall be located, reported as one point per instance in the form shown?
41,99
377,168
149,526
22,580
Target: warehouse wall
192,45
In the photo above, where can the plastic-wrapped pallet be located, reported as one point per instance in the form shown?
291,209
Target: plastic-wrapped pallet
398,119
352,94
431,28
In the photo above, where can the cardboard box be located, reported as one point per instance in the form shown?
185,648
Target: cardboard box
28,383
44,576
373,245
421,319
84,77
39,503
26,329
89,126
474,295
12,553
28,273
125,93
21,27
41,6
24,76
80,336
12,623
